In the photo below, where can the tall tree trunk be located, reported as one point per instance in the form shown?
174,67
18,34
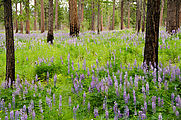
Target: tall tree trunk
143,22
21,22
122,4
173,7
46,20
138,16
93,17
16,17
79,13
27,8
10,59
82,13
56,15
101,20
180,15
128,14
152,32
42,17
50,36
113,15
74,27
35,15
98,17
161,13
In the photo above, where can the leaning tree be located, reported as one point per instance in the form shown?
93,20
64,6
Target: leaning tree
152,33
10,59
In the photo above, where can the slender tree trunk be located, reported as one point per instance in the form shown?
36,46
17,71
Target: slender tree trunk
27,8
21,22
180,15
161,13
16,17
50,36
128,14
98,17
56,15
46,23
113,15
122,4
101,20
93,17
138,16
152,32
74,27
82,13
35,15
79,13
10,59
173,7
42,17
143,22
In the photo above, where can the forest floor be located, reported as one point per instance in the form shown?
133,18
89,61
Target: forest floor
91,77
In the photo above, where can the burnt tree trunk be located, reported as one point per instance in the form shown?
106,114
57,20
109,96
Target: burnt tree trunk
113,15
161,13
138,16
128,14
74,27
42,17
10,59
56,15
98,17
144,12
122,4
35,14
16,17
50,36
93,17
21,22
152,33
173,7
27,8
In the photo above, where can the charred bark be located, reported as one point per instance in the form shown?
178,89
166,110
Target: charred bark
152,33
10,59
50,36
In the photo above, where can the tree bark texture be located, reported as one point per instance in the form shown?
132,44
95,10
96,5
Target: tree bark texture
27,8
10,59
82,13
74,28
16,17
79,13
56,15
122,4
21,22
161,13
138,16
144,12
173,7
152,32
42,17
50,36
128,14
93,17
35,15
98,18
101,20
113,15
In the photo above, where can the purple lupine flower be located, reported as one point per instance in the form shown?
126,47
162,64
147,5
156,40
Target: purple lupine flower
33,115
6,117
9,106
172,96
115,108
12,115
160,117
60,103
107,114
147,88
174,108
54,99
177,113
55,80
154,107
16,115
95,113
69,101
159,100
88,106
48,77
126,111
145,106
84,97
24,108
